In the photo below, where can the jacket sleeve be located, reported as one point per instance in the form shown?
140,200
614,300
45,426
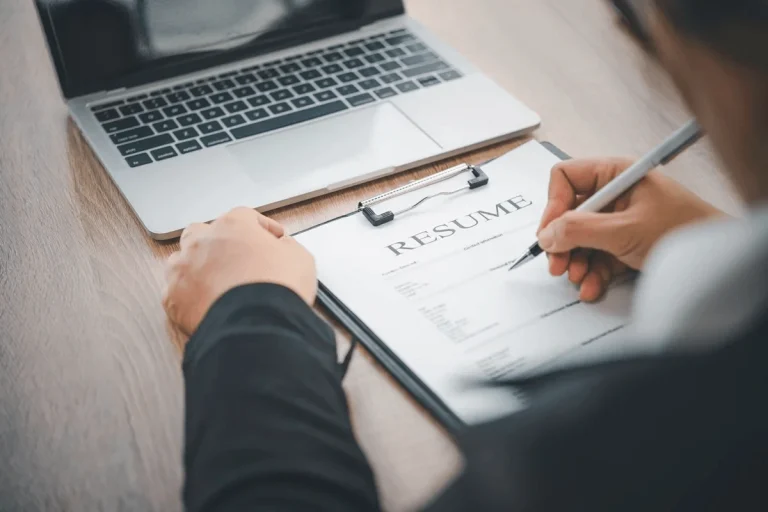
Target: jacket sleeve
267,425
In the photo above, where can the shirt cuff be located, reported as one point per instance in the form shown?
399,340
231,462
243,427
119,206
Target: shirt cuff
255,305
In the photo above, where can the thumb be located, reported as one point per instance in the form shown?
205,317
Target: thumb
607,232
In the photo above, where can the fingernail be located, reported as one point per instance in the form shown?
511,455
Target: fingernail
547,237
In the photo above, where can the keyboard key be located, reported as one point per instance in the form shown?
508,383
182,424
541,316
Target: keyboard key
325,96
121,124
188,146
209,127
304,101
396,52
228,74
142,145
407,86
333,57
107,115
131,135
247,78
300,116
133,108
188,119
201,90
233,121
332,69
369,84
353,63
291,67
151,117
282,94
161,92
426,81
267,86
221,97
390,78
244,92
104,106
155,103
426,68
374,58
389,66
325,83
375,46
268,74
216,139
346,90
416,47
138,97
174,110
312,62
223,85
354,51
212,113
361,99
177,97
198,104
304,89
288,80
368,72
348,77
259,101
280,108
399,39
185,133
163,153
137,160
165,126
235,107
415,60
311,74
386,92
449,75
255,115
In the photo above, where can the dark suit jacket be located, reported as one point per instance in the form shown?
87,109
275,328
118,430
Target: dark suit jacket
267,426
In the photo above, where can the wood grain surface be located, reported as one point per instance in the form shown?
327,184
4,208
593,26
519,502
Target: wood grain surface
90,383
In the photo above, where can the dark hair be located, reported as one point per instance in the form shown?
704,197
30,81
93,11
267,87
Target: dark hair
735,28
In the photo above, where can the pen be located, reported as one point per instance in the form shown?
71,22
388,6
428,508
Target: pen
661,155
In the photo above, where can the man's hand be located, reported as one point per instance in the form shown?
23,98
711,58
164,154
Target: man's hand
594,247
239,248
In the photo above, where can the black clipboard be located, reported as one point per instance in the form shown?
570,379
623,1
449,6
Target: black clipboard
384,356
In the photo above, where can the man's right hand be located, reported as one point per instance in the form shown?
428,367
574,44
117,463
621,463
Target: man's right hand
595,247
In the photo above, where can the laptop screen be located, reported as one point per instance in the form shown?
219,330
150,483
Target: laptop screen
106,44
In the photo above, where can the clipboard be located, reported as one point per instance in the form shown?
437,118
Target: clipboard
362,334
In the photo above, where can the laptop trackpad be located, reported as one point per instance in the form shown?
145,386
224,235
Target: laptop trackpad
327,153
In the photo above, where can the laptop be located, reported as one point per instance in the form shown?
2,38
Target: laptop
195,107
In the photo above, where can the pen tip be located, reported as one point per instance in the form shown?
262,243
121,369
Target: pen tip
520,261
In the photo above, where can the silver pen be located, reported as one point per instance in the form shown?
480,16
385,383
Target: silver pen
661,155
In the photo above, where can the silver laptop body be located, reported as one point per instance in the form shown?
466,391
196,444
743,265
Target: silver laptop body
278,126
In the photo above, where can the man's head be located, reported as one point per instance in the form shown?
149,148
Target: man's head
717,54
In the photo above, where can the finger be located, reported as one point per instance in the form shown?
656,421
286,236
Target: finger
578,267
592,287
171,263
558,263
610,232
272,226
598,278
191,232
574,178
250,215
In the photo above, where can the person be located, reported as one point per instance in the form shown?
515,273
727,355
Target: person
267,424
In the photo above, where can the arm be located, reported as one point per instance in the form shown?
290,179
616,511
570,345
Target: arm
267,425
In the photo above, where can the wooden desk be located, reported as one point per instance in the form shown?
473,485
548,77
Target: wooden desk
90,386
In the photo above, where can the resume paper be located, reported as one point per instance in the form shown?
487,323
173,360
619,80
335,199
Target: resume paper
434,285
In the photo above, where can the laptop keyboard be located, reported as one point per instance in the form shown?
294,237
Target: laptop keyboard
168,122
